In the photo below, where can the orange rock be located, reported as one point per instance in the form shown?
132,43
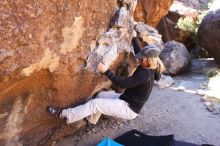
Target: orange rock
44,47
49,50
151,11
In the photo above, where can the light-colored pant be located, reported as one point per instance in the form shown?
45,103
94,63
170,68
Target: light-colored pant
107,103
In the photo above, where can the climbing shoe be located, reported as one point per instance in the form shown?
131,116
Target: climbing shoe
55,111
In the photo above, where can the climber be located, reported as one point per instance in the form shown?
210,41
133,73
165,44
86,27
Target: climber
126,105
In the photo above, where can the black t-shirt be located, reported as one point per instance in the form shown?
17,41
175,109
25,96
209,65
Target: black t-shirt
138,87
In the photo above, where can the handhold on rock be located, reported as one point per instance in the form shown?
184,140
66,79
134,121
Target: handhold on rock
121,18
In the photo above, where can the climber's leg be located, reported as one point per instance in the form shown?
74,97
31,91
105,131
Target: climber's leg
104,94
112,107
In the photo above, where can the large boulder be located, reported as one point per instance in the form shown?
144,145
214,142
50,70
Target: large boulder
151,11
209,34
175,57
49,51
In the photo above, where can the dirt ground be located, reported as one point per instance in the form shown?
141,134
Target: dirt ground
168,111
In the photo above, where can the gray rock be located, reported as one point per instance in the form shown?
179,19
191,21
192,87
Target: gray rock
209,34
149,34
165,81
122,18
181,88
175,57
200,92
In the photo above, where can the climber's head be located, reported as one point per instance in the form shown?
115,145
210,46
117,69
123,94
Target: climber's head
149,58
149,51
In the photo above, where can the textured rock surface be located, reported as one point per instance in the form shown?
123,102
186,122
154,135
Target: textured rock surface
48,54
151,11
49,51
148,35
175,57
209,34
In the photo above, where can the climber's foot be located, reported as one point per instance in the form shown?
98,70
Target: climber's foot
55,111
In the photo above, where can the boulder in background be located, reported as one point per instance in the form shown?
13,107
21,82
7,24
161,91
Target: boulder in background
209,34
175,57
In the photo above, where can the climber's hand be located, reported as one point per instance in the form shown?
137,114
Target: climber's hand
102,67
134,33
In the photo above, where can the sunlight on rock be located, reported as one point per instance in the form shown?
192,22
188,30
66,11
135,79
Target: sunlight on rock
49,61
3,115
72,35
215,5
213,86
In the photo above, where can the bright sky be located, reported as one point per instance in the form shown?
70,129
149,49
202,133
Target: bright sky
215,5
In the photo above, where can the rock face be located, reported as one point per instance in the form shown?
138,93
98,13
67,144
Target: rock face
175,58
49,51
48,56
151,11
209,34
